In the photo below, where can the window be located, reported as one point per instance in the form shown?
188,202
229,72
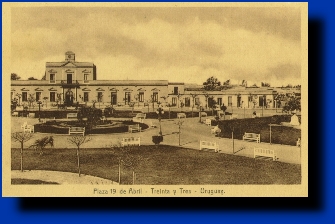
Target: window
114,98
155,97
127,97
52,78
141,96
38,96
175,90
100,96
220,101
86,96
230,101
197,101
52,96
24,96
187,102
85,78
174,101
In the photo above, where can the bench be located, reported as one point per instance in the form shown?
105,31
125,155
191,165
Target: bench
71,115
15,114
265,153
28,128
299,142
77,130
203,114
209,145
131,141
208,122
138,119
233,116
216,130
220,112
252,137
141,115
32,115
44,120
180,115
135,127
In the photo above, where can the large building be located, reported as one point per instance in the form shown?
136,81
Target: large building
70,82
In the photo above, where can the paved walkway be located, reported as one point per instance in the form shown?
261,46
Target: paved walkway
59,177
192,131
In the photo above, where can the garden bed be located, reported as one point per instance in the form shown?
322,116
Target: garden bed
279,134
62,127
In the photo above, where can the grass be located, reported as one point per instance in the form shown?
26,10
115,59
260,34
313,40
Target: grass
18,181
164,165
279,134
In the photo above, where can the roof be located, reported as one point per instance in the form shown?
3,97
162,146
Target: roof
64,63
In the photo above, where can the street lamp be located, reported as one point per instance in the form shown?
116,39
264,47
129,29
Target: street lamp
160,112
39,110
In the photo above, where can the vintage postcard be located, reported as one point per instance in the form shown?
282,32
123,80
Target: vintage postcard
155,99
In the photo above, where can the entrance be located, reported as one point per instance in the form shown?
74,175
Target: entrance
69,98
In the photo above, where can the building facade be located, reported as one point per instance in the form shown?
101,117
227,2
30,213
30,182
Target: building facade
70,82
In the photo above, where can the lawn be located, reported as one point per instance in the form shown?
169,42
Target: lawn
279,134
163,165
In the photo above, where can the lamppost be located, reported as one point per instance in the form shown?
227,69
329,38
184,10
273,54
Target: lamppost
39,110
199,113
160,112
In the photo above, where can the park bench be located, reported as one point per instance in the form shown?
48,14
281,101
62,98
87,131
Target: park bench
233,116
138,119
44,120
299,142
220,112
181,115
216,130
209,145
252,137
135,127
203,114
259,152
32,115
77,130
15,114
27,128
208,122
71,115
141,115
131,141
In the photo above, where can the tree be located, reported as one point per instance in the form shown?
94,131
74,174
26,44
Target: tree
40,144
31,100
292,103
78,140
224,108
227,83
21,137
211,83
32,78
14,76
206,95
89,116
265,84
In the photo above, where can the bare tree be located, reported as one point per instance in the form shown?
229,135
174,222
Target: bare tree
21,137
78,140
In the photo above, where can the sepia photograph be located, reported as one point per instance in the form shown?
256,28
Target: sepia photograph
155,99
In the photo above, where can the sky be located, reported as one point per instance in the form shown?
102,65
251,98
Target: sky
179,44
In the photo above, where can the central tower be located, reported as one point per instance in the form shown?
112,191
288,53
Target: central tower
70,56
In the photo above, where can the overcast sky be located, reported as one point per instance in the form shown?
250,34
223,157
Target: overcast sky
176,44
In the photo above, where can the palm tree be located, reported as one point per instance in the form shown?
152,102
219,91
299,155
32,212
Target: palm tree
40,144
